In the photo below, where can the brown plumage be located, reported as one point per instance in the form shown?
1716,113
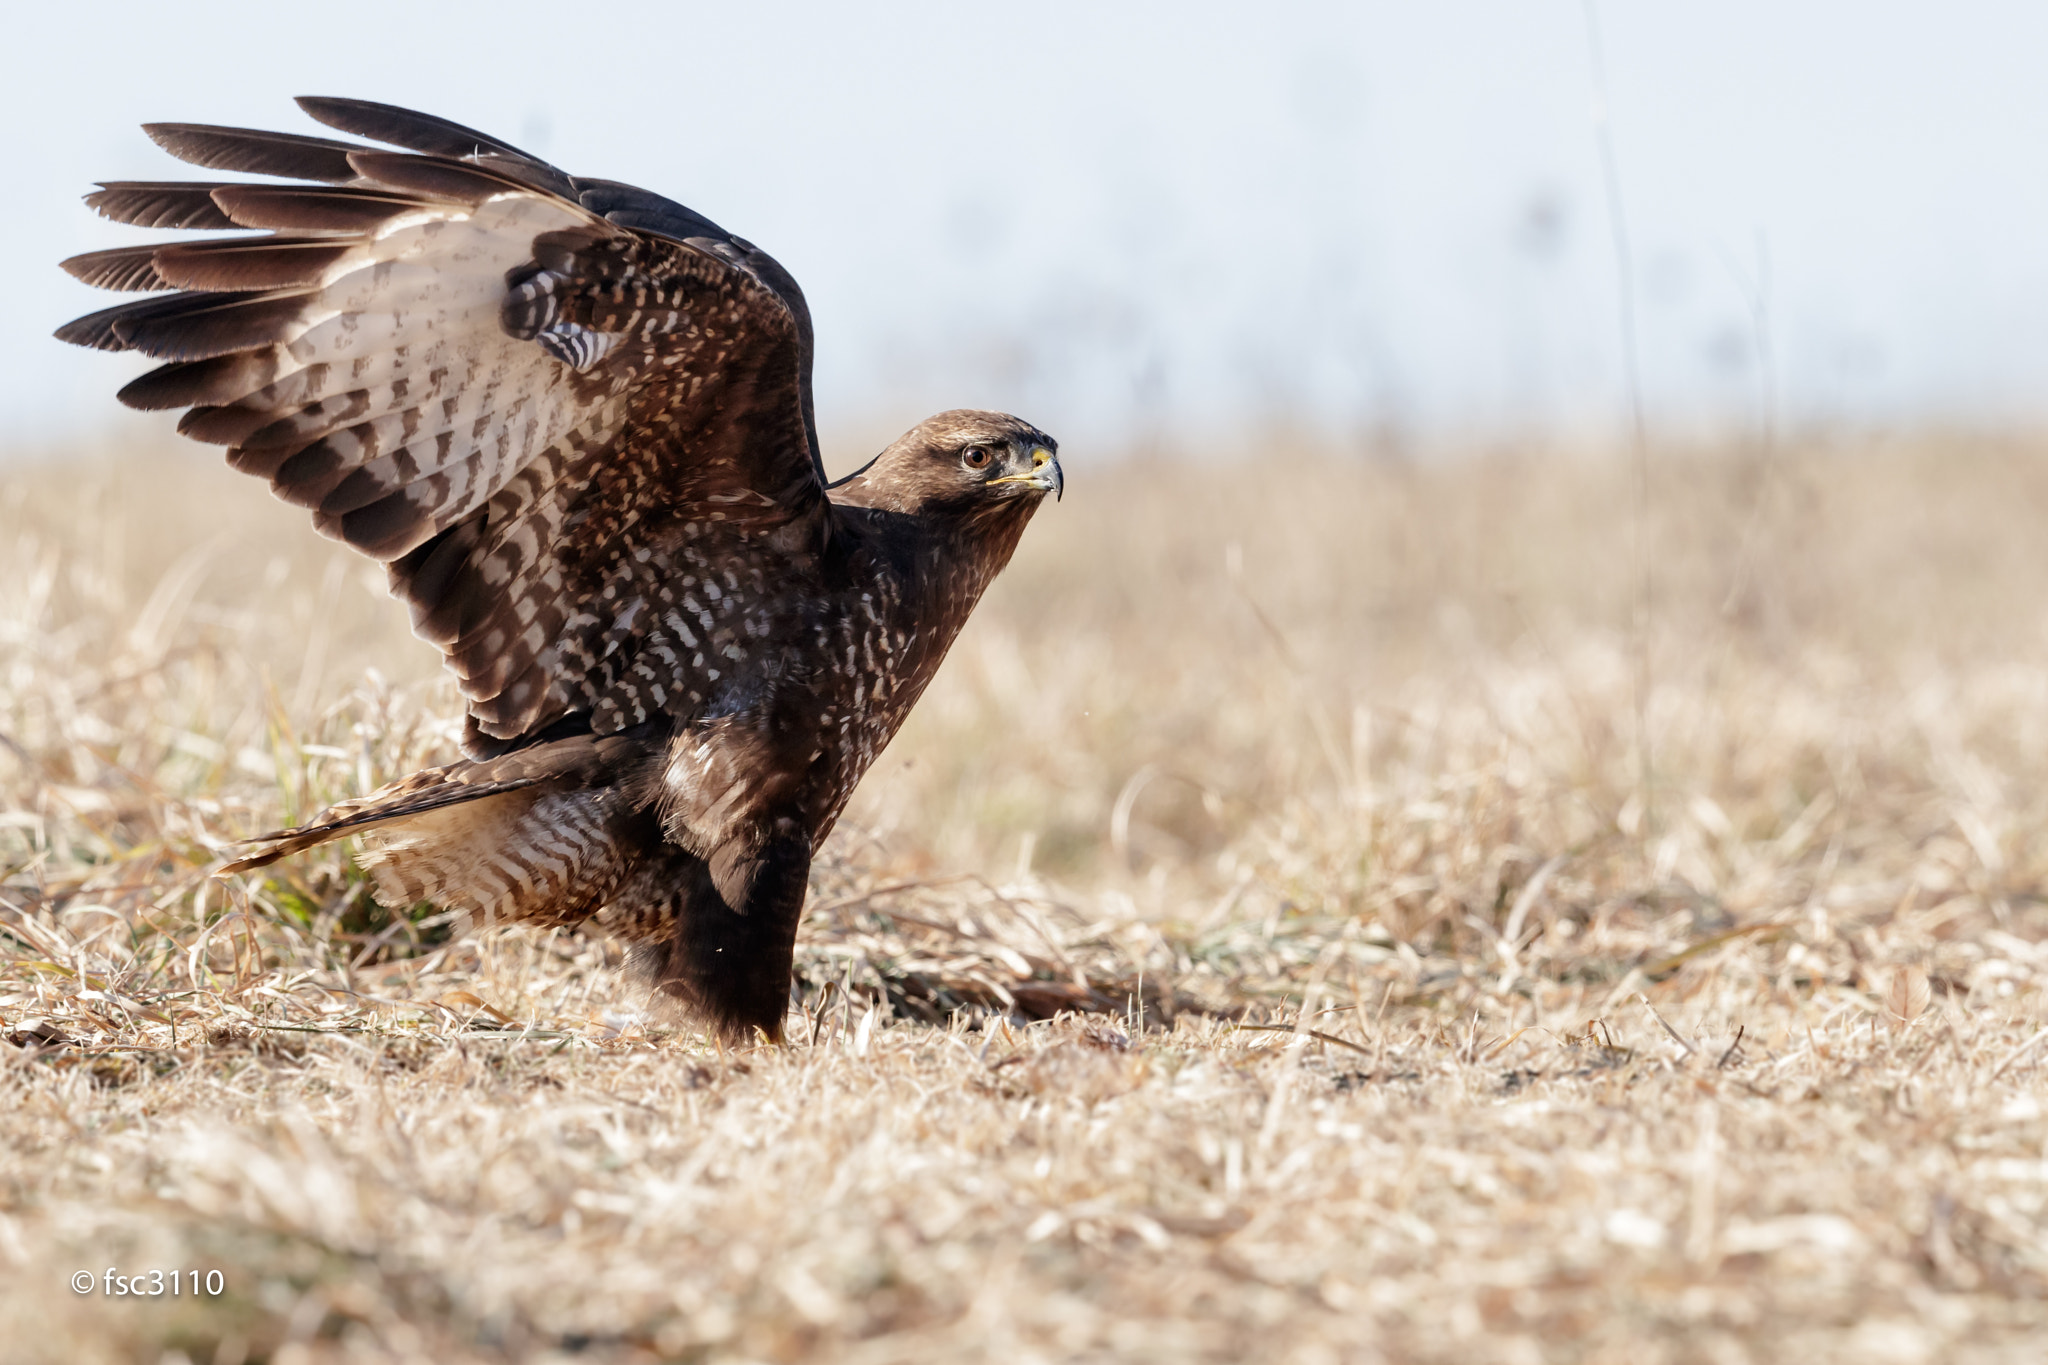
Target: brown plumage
574,421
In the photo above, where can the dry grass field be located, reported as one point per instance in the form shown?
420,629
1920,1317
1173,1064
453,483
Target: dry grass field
1312,918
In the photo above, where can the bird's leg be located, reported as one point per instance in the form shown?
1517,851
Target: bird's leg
729,950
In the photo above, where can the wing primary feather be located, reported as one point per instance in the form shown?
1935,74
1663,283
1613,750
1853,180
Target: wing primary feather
96,330
307,208
435,177
408,128
266,263
202,326
197,382
183,205
253,151
631,206
127,269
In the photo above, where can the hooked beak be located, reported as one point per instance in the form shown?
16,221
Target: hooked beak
1045,474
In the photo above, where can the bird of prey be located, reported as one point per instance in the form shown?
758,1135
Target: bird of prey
573,419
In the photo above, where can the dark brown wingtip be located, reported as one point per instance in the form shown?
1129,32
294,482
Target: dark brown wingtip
124,269
184,384
407,128
174,204
95,331
254,151
203,326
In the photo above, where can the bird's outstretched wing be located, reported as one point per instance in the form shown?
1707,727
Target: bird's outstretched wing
572,417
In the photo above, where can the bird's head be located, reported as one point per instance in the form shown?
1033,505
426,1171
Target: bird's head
962,463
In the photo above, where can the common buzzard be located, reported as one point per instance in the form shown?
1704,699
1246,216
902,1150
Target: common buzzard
573,419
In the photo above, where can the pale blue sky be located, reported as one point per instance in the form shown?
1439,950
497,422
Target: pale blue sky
1132,219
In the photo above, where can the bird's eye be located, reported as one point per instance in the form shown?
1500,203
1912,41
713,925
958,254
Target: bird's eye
975,457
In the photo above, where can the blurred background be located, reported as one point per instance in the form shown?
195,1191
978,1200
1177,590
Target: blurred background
1378,226
1328,311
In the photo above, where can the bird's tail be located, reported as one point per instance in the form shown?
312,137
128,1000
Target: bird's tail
528,836
408,798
